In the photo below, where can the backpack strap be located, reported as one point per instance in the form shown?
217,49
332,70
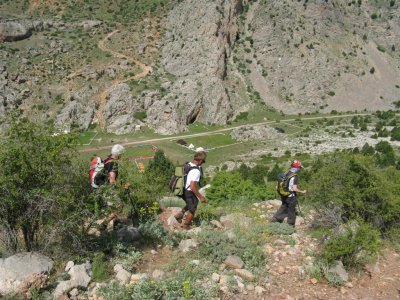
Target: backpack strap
290,175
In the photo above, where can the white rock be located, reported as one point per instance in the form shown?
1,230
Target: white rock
250,287
158,274
123,276
69,265
215,277
259,290
135,278
74,292
79,278
195,262
245,274
117,268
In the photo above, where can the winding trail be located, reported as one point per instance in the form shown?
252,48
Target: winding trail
102,99
208,133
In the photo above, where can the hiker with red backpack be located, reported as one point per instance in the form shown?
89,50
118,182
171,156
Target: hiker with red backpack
288,197
105,171
191,194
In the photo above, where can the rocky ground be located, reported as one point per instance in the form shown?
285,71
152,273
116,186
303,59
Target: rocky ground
287,277
286,272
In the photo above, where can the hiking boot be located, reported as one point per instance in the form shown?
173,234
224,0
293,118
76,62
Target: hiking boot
179,216
187,220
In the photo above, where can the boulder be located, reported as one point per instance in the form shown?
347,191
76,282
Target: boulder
187,245
275,203
79,278
14,31
339,270
235,219
171,221
128,234
245,274
123,276
234,262
15,269
90,24
135,278
158,274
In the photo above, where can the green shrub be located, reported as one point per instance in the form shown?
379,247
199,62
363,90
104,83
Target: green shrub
153,231
127,257
146,188
354,244
395,134
115,291
320,269
140,115
100,268
277,228
216,245
44,190
381,48
229,187
349,186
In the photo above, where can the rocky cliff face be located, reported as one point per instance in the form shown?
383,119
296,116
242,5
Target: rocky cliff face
201,61
199,38
319,55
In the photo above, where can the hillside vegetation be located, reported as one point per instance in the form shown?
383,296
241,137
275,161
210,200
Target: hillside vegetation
351,212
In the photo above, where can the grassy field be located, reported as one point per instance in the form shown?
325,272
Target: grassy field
220,145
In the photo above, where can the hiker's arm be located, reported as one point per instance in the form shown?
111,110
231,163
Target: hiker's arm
195,190
295,188
112,176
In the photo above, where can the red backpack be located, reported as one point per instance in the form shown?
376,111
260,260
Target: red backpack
98,174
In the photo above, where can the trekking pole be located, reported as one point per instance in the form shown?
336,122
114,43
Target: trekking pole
300,212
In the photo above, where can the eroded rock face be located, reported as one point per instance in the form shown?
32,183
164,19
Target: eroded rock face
75,114
200,35
14,31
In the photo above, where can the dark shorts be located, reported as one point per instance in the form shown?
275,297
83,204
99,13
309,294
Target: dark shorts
191,201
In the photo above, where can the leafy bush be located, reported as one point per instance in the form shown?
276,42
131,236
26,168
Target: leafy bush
216,245
229,187
354,244
115,291
100,268
280,228
320,269
271,175
256,174
354,187
127,257
44,190
140,115
180,286
153,231
146,188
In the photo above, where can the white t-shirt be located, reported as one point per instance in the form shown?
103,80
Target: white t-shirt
293,181
193,175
